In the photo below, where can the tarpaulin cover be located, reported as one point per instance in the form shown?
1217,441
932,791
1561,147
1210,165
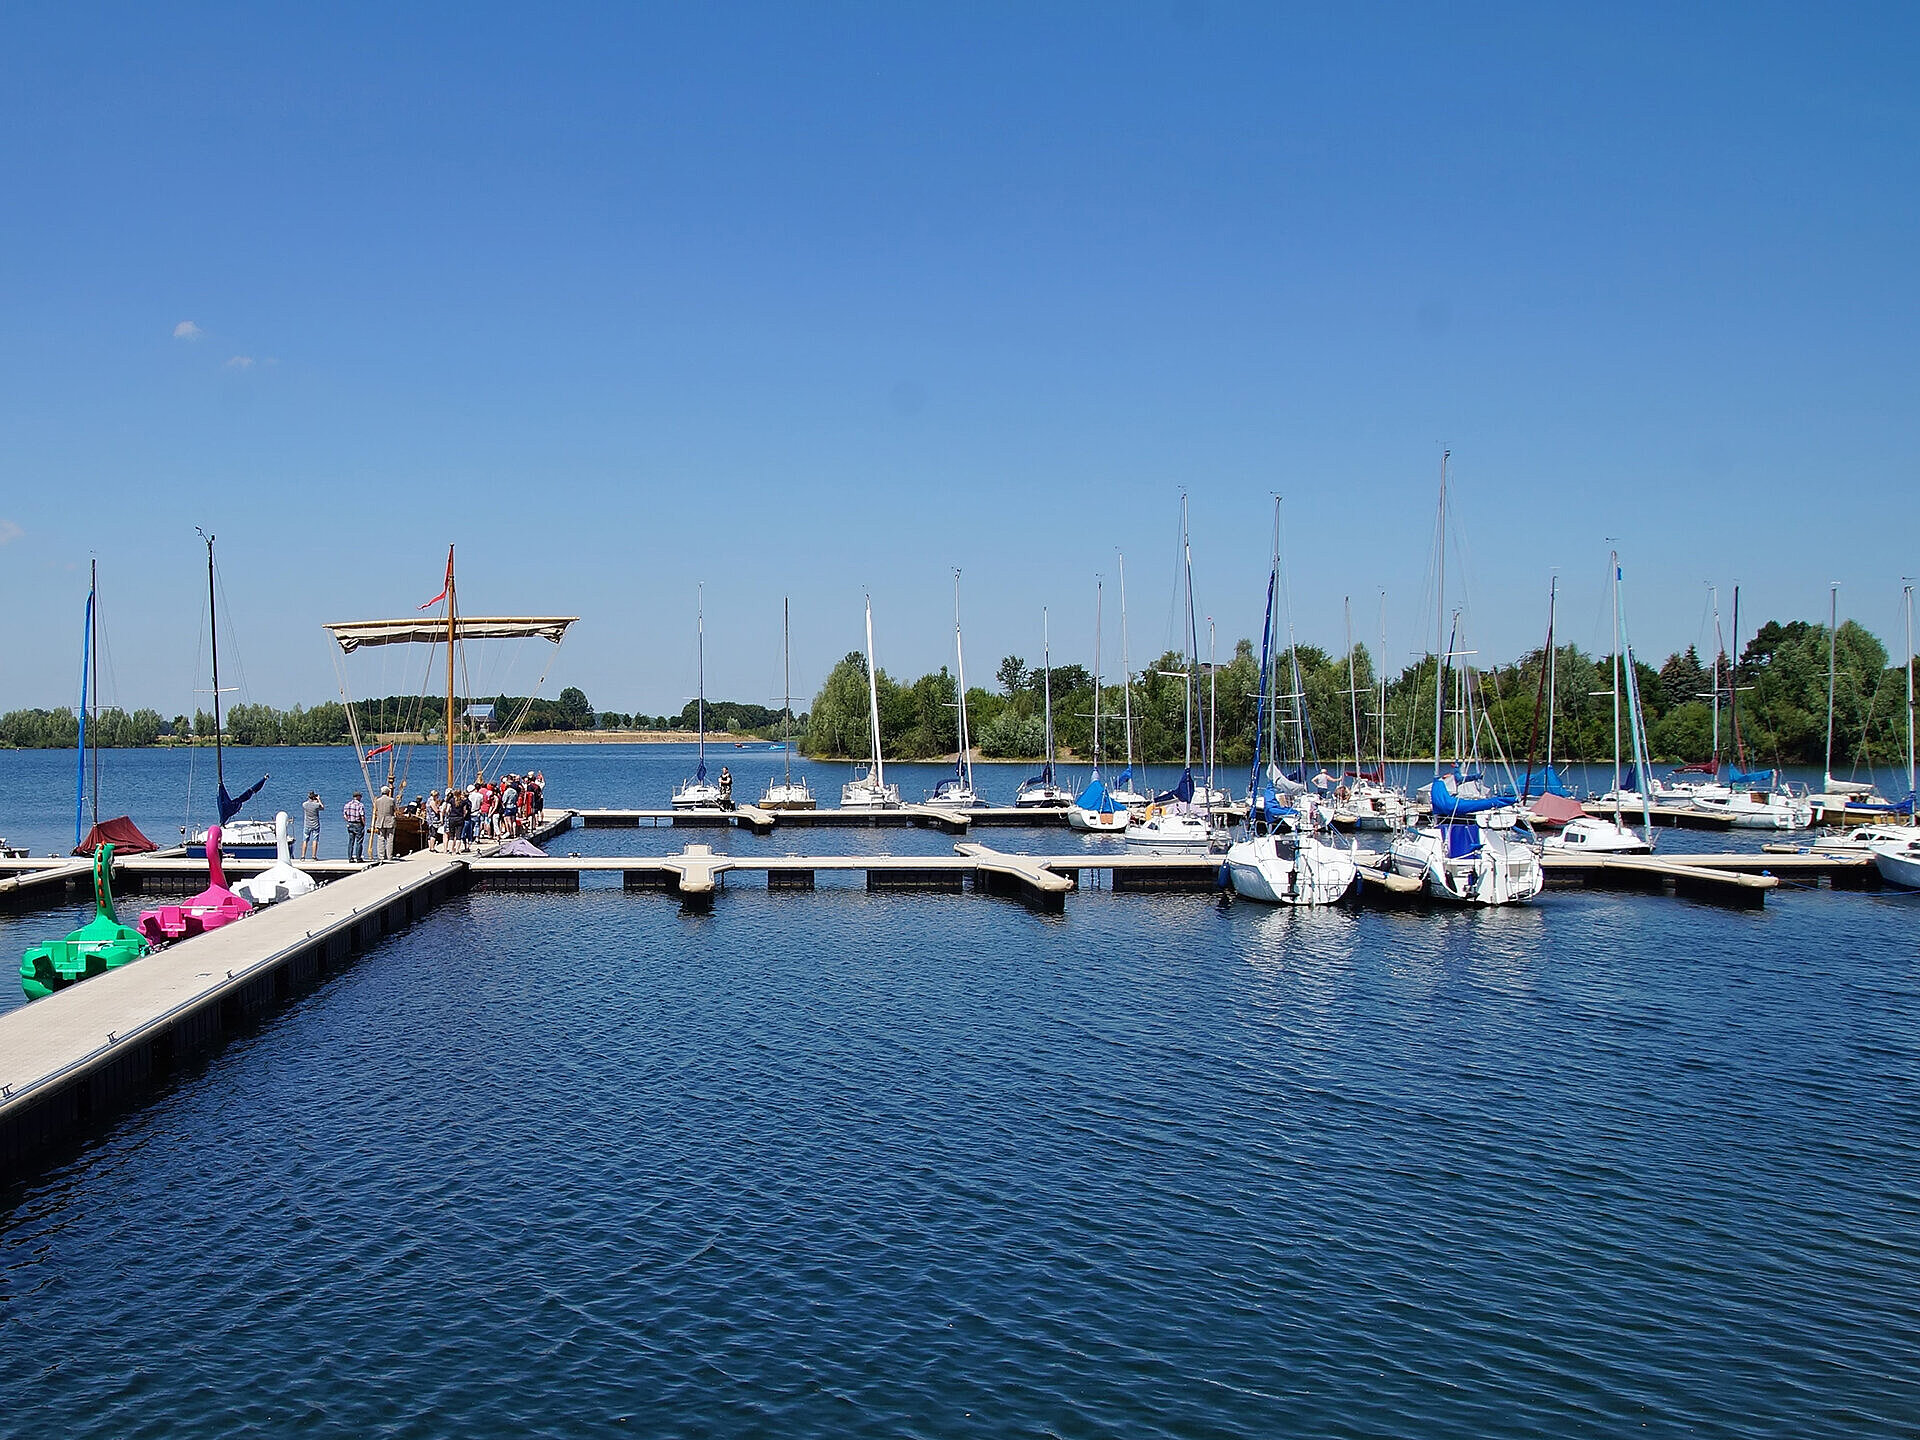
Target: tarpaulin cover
1183,792
119,832
1462,840
1749,779
1445,802
1556,809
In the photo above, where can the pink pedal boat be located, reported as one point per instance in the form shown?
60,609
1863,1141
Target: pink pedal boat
209,910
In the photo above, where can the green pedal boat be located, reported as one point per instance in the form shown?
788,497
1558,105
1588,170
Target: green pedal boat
101,944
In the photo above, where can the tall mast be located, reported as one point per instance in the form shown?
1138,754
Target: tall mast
873,702
700,703
87,667
1733,687
1719,654
1833,614
1046,687
1613,562
1126,673
1261,718
93,647
451,631
786,667
1193,640
1907,591
965,736
213,631
1353,687
1098,602
1440,618
1383,687
1213,709
1553,663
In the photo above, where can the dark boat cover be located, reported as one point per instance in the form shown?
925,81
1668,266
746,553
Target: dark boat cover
121,833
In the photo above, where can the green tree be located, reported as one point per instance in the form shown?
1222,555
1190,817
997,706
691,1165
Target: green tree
574,707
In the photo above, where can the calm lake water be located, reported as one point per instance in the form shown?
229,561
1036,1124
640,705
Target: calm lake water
841,1164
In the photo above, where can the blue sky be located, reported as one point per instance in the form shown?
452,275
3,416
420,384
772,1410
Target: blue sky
812,300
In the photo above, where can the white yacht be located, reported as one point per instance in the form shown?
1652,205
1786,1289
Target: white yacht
956,792
1757,800
1042,791
787,793
700,793
1596,835
871,791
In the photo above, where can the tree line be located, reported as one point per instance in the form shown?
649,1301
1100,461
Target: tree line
323,724
1778,682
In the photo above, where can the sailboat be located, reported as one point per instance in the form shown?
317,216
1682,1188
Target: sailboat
454,630
120,831
1752,799
700,793
1172,824
1094,809
1590,834
1370,802
1468,854
956,791
1281,860
1896,852
1840,802
788,793
248,839
1210,796
1042,792
871,790
102,944
1123,791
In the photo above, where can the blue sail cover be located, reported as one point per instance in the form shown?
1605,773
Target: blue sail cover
1462,840
701,773
1903,806
1445,802
1125,778
230,805
1545,782
1749,779
1267,806
1096,798
1630,778
1183,792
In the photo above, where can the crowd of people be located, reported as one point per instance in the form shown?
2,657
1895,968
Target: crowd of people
486,812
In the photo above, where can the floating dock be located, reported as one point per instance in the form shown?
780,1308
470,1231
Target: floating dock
80,1054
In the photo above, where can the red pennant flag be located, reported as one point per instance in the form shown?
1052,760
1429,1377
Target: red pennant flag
378,750
445,585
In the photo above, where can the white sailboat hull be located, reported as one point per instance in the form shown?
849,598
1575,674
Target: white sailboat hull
1755,809
1591,835
1500,872
786,795
1100,822
1279,871
697,795
1899,864
1165,832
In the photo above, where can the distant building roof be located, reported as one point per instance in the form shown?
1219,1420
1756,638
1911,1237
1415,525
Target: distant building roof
478,712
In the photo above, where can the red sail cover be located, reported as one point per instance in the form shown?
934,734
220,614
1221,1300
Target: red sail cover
1551,810
122,832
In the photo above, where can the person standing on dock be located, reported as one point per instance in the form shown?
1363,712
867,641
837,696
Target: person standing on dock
383,813
310,838
354,815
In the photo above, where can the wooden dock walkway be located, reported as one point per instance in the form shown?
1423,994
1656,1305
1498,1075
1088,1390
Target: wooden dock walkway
86,1050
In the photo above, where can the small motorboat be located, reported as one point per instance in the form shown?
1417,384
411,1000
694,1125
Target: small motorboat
240,840
212,908
1593,835
281,880
1169,830
1899,863
101,944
